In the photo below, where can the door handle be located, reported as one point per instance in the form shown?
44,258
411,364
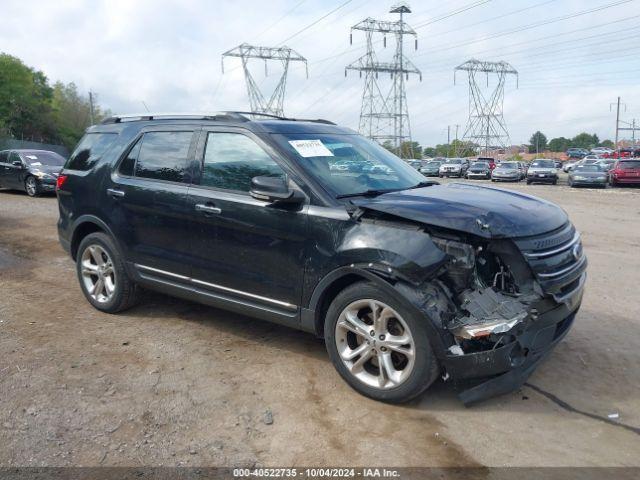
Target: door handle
115,193
201,207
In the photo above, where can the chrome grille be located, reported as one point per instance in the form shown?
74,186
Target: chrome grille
556,258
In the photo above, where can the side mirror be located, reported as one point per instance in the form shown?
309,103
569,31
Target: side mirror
273,189
17,163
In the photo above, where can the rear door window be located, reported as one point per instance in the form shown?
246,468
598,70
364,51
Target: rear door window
163,156
89,150
4,157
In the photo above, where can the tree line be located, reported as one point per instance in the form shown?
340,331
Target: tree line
538,142
33,109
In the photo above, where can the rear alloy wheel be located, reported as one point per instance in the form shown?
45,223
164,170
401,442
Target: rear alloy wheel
377,346
102,275
31,186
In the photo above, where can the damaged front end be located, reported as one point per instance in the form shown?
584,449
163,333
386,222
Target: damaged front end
502,314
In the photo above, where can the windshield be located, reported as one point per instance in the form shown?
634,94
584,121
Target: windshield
544,164
36,159
454,161
433,164
587,168
508,165
479,165
370,166
631,164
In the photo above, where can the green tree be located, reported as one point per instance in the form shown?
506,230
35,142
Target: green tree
72,113
537,142
607,144
585,140
25,100
407,149
560,144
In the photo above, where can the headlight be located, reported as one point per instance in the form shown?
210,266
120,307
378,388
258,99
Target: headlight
40,174
554,171
579,177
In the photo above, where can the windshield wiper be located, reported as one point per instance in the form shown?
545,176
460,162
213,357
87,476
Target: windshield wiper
369,193
428,183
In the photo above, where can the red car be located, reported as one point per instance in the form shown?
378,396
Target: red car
625,172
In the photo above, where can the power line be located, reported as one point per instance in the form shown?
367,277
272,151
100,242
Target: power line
527,27
316,22
289,12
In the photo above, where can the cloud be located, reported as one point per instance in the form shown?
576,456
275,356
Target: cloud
167,53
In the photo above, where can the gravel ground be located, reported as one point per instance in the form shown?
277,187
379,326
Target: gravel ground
175,383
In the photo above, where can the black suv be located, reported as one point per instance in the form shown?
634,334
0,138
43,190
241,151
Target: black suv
405,279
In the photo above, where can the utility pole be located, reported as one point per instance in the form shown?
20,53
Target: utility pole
617,124
257,101
486,126
91,112
385,117
448,140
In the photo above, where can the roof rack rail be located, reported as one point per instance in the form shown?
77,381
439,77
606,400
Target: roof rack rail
228,116
279,117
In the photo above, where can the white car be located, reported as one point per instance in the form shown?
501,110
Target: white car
601,150
453,167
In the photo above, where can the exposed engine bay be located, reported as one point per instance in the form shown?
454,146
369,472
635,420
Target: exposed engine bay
491,291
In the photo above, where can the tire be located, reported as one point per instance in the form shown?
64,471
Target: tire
555,182
124,292
412,377
528,182
31,186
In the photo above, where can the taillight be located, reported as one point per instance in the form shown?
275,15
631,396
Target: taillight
60,181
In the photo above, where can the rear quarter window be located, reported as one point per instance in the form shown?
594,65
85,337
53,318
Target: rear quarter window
91,147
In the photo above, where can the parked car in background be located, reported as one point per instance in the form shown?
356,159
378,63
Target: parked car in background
577,152
454,167
558,163
589,159
404,279
567,166
415,163
431,169
625,172
602,151
542,171
34,171
606,163
592,175
479,170
507,172
490,160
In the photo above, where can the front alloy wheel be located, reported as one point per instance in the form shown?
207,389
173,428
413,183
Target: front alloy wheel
375,344
31,186
379,344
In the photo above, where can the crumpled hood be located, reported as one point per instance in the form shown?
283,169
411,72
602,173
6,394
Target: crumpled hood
484,211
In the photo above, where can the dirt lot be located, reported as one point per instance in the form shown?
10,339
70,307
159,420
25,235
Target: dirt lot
176,383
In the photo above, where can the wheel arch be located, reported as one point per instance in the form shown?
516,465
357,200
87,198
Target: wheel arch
86,225
332,284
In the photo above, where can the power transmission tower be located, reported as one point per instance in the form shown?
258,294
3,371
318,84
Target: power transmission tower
257,100
385,117
486,126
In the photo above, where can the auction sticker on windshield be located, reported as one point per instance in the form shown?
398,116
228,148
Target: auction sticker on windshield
311,148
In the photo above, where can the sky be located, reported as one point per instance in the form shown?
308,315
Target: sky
574,57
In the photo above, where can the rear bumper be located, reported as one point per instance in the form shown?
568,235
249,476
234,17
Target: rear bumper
514,178
536,179
506,368
629,181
